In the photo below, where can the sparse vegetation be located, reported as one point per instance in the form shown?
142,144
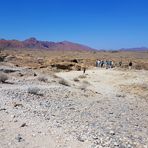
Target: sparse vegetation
84,85
43,79
86,82
29,59
76,79
55,76
64,82
33,90
3,77
114,51
2,58
82,76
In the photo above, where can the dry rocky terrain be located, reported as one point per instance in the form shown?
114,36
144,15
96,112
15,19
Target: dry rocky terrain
52,108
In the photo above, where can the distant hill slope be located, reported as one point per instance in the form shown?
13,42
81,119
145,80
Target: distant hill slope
33,43
135,49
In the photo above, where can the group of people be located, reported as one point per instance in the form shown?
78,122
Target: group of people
109,64
106,63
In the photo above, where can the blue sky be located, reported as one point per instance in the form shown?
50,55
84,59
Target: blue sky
101,24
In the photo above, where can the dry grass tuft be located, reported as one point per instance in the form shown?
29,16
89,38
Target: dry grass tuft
76,79
86,82
43,79
3,77
84,85
55,76
33,90
64,82
82,76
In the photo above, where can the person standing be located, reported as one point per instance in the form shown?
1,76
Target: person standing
112,64
98,63
120,63
107,64
101,64
84,70
130,65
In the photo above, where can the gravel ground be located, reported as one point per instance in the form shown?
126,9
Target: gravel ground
102,109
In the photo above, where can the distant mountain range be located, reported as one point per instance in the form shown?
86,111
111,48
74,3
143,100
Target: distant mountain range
135,49
33,43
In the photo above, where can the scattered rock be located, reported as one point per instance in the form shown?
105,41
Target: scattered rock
1,109
35,74
33,135
120,96
81,139
116,144
19,138
15,120
111,113
21,75
12,116
129,146
112,132
2,129
17,104
23,125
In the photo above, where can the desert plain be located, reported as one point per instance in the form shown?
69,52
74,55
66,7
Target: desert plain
47,102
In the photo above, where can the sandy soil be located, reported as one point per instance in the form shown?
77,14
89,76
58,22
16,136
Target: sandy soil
102,108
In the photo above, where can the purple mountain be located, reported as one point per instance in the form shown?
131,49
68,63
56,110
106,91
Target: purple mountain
33,43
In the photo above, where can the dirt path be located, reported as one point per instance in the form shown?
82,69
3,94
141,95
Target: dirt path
108,82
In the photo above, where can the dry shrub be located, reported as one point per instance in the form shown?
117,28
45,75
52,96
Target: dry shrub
43,79
55,76
76,79
86,82
64,82
138,67
84,85
82,76
3,77
136,89
33,90
40,60
141,66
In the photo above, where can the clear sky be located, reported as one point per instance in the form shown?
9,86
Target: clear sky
101,24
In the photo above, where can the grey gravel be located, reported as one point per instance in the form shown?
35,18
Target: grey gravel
68,114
